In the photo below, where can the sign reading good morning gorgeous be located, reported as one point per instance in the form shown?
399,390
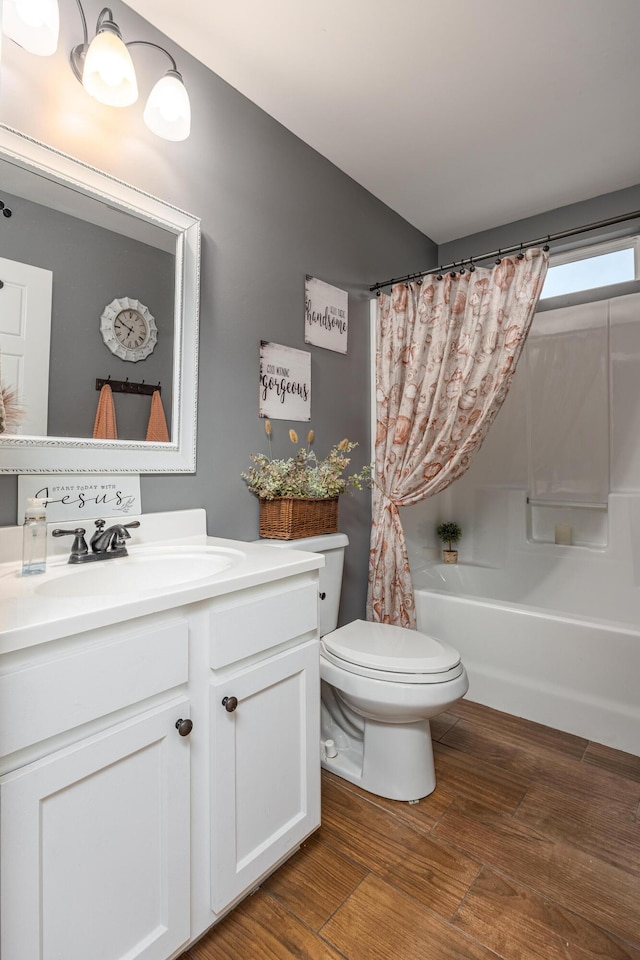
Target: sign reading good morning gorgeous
326,318
285,382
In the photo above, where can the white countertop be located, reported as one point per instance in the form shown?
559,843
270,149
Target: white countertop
27,617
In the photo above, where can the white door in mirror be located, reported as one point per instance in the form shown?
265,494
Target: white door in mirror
128,329
25,334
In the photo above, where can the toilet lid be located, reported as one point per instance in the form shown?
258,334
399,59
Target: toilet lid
382,646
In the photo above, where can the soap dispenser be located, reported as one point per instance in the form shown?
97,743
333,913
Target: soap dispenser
34,538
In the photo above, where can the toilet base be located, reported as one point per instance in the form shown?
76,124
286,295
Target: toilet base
392,760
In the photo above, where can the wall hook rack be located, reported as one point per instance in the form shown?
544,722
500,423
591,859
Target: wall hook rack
129,386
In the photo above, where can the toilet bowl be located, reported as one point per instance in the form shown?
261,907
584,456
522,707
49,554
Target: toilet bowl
380,686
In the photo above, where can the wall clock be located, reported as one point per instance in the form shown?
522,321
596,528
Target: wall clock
128,329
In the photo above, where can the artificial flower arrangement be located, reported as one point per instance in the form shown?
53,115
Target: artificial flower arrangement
12,413
304,475
299,495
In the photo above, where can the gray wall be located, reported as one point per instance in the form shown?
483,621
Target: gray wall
553,221
272,211
91,267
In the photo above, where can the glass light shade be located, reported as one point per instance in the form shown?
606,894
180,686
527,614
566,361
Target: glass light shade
168,109
34,24
108,73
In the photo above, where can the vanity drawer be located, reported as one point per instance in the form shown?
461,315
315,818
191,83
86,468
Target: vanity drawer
241,628
83,683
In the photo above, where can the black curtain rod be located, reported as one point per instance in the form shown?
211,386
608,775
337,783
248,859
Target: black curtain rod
515,248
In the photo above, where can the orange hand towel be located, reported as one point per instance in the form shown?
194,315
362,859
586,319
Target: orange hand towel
157,429
104,427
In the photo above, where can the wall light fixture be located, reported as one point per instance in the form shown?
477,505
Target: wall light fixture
103,65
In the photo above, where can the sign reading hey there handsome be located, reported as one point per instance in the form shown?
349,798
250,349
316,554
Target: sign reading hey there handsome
285,382
74,497
325,315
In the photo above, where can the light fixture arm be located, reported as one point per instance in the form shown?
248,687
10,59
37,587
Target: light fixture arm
78,53
85,32
148,43
105,16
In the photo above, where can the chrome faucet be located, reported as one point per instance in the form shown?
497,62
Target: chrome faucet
105,544
112,539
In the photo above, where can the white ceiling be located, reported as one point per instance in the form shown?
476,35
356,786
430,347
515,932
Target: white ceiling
460,116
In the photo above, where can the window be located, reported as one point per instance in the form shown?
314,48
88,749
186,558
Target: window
592,267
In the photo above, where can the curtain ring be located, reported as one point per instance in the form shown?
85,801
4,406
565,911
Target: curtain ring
439,274
546,246
472,265
462,270
499,258
521,254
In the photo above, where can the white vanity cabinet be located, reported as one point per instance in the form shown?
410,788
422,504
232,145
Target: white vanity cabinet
95,832
125,834
265,736
268,798
94,839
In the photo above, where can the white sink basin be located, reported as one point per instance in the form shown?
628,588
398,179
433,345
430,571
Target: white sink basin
149,569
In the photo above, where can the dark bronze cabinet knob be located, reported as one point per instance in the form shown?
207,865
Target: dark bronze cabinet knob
184,727
230,703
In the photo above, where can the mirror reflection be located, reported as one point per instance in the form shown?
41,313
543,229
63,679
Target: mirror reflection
114,274
88,295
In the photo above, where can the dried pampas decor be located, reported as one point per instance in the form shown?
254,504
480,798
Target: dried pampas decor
12,413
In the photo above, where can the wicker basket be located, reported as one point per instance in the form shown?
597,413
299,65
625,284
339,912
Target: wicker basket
290,518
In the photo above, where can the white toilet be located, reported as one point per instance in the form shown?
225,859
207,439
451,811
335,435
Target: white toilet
380,686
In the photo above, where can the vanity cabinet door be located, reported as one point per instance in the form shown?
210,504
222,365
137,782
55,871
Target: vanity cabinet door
95,846
265,768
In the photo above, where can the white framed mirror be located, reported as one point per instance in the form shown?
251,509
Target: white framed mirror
76,241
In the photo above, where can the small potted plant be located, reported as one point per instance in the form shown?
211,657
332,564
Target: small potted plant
449,533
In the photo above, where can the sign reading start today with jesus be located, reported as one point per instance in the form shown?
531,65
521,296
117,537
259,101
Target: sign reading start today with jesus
326,318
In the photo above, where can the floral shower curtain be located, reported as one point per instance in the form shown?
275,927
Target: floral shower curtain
446,354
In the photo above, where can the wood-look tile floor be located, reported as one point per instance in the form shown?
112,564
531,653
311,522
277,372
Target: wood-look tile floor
528,849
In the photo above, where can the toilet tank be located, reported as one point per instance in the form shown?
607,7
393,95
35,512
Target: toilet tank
331,546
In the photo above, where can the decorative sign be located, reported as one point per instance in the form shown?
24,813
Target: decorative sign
285,382
72,498
325,315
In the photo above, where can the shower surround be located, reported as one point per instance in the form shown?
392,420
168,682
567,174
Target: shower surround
547,631
553,635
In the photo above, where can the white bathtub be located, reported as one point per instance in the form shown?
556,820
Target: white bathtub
541,640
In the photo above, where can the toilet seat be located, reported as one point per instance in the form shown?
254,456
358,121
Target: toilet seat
386,652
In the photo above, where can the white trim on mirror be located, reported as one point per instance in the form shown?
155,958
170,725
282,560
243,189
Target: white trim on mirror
23,454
